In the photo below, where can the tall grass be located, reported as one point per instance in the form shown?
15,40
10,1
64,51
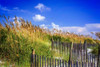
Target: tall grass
18,38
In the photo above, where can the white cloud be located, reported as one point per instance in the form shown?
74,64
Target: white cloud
55,26
38,18
42,7
74,29
93,27
85,30
44,26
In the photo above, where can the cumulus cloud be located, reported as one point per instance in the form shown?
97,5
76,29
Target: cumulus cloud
42,7
93,27
85,30
74,29
44,26
38,18
54,26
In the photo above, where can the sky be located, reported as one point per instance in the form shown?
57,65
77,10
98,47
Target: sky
78,16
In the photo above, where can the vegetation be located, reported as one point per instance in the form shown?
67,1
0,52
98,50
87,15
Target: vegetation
96,48
18,38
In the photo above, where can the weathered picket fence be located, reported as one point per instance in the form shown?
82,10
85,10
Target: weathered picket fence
76,50
78,56
41,61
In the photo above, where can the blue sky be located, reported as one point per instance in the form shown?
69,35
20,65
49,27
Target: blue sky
79,16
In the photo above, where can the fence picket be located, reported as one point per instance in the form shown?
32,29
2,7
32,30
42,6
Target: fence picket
58,62
55,62
40,61
50,62
35,60
45,61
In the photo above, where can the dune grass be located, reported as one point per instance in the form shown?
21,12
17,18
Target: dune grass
17,39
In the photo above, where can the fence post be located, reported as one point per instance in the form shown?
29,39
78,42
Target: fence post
98,64
35,60
58,62
32,58
65,63
85,44
50,62
62,47
82,64
45,61
52,44
55,62
69,63
40,61
62,63
70,53
81,53
59,46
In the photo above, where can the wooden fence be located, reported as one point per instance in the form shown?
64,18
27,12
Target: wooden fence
78,56
41,61
78,50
